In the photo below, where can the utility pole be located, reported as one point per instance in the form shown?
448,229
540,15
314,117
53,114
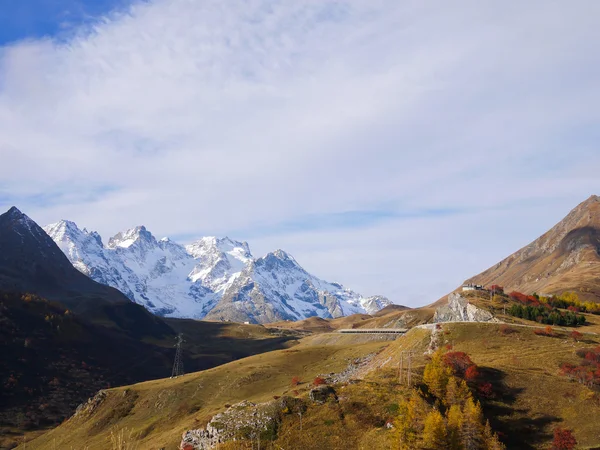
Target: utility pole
400,368
178,363
409,374
408,355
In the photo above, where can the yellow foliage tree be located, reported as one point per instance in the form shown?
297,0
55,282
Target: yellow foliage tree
437,374
435,434
455,423
457,392
491,439
472,428
410,421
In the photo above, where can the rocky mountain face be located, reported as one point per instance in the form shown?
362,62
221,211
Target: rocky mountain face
566,258
31,262
212,278
459,309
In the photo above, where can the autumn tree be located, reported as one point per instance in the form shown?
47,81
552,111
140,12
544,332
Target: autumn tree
459,362
576,335
563,439
437,374
472,373
435,434
471,432
410,420
455,423
457,392
318,381
491,439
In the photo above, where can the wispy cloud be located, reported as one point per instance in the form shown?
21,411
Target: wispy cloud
292,123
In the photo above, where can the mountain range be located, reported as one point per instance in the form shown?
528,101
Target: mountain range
211,278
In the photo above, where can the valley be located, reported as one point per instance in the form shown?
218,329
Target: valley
87,367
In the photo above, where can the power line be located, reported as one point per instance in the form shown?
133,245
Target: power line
178,363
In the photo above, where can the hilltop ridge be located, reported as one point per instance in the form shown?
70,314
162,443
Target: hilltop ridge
565,258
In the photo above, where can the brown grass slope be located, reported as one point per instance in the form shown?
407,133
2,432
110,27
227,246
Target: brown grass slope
156,413
530,396
566,258
393,316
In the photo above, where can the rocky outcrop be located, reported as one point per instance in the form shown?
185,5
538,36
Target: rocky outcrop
242,421
87,408
321,394
459,309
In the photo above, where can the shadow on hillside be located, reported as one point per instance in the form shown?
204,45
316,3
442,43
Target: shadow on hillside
502,393
515,427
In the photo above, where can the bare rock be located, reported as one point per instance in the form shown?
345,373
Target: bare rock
459,309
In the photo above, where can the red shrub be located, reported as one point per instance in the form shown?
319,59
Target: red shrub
472,373
318,381
295,381
576,335
563,439
505,330
458,361
548,331
497,289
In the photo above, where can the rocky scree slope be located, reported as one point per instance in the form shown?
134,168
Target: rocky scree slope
566,258
212,278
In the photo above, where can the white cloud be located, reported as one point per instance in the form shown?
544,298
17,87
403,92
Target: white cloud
198,117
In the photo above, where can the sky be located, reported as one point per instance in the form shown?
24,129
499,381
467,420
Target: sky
396,147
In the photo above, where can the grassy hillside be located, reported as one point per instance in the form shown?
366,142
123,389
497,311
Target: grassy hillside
156,413
53,360
522,367
391,317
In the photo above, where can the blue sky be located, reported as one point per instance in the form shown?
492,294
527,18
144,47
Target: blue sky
395,147
35,19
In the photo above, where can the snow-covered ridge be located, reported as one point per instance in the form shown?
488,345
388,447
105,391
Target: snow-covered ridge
213,278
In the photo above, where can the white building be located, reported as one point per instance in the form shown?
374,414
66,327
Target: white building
472,287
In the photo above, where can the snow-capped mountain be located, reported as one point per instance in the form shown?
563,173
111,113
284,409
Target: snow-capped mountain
216,278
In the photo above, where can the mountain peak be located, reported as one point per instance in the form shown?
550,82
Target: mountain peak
278,259
14,212
14,215
282,254
565,258
128,238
